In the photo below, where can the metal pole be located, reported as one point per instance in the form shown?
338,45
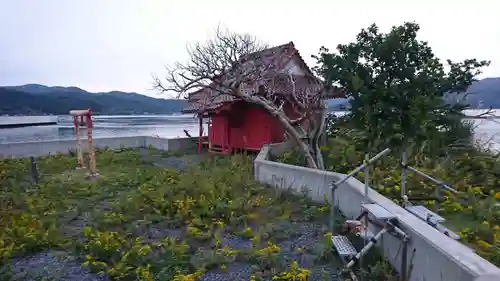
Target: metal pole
365,218
404,164
360,168
439,183
437,193
332,210
79,153
367,176
404,261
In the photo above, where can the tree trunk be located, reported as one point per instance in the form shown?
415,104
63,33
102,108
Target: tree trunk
316,136
306,149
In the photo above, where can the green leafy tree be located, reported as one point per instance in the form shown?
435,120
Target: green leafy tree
399,90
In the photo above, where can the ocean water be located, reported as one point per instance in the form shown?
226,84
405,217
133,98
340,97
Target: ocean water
165,126
487,131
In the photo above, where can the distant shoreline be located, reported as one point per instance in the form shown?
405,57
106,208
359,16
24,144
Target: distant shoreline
483,117
11,126
9,122
473,114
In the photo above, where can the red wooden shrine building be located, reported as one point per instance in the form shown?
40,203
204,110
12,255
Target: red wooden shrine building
234,124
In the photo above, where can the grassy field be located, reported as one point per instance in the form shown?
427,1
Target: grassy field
156,216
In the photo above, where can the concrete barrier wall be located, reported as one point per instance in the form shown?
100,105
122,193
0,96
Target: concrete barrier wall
41,148
182,143
436,257
158,143
170,144
20,120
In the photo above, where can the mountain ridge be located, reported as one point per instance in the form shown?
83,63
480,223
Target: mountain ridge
40,99
482,94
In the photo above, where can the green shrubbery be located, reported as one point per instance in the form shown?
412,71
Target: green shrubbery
107,223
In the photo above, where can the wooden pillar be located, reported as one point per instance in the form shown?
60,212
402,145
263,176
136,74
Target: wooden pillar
208,134
227,135
79,152
224,133
200,134
92,161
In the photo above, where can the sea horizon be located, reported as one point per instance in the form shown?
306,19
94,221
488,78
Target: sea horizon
486,130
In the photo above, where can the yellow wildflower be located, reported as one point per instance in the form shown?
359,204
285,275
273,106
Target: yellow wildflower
497,195
483,245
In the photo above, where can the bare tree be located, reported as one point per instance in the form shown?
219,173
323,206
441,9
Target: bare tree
228,67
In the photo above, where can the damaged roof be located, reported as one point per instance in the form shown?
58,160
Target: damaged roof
267,66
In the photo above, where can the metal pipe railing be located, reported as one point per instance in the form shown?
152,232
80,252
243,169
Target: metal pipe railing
366,168
437,190
365,249
361,167
336,184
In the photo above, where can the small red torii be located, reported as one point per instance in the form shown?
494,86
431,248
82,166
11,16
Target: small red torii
81,117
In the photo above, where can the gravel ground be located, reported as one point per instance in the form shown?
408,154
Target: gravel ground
235,242
52,266
61,266
234,272
298,247
301,246
171,162
178,162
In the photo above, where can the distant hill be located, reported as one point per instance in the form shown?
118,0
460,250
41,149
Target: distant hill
39,99
484,93
481,94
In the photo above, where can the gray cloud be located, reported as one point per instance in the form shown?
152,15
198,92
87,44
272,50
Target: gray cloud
103,45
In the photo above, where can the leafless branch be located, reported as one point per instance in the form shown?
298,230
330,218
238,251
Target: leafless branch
208,62
230,65
488,113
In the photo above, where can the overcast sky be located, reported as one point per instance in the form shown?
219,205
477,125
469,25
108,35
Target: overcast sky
104,45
